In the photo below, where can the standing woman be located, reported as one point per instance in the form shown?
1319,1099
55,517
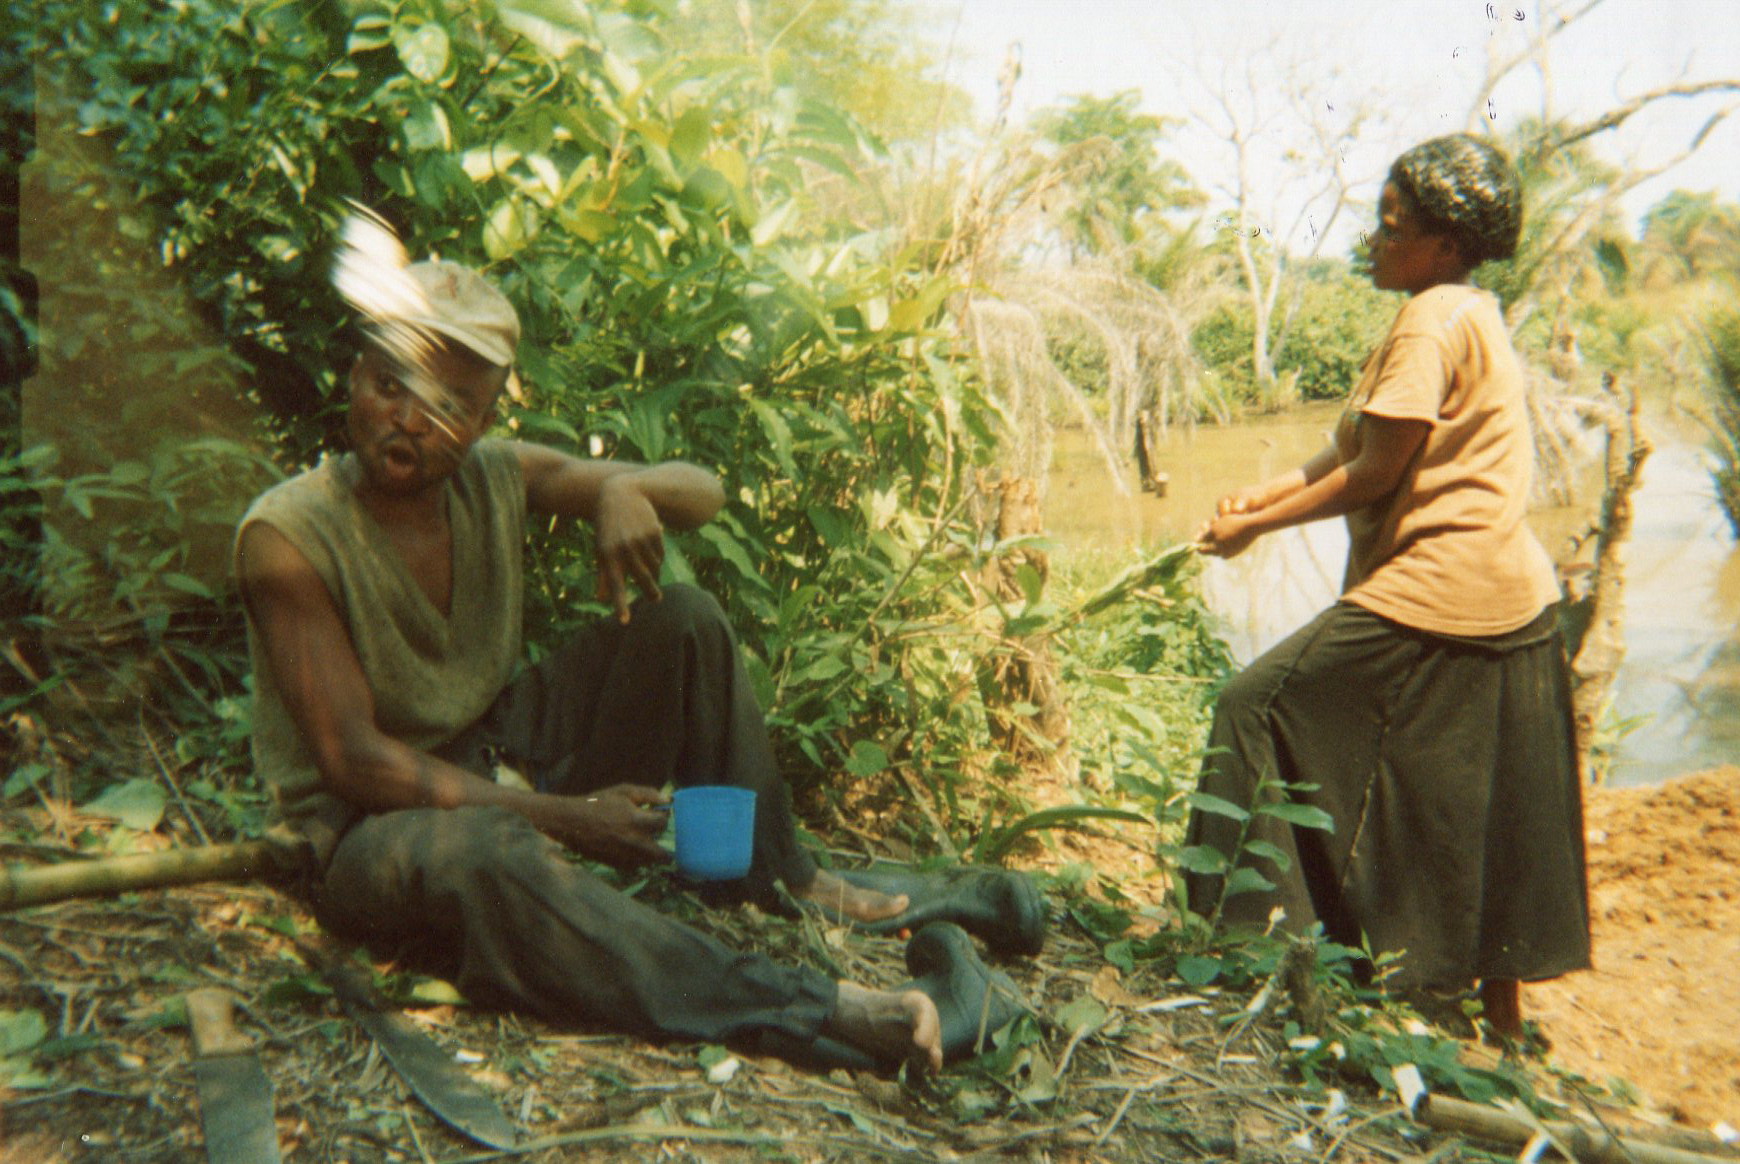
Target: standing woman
1430,705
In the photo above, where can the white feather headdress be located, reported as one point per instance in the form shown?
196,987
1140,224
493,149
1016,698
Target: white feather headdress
372,274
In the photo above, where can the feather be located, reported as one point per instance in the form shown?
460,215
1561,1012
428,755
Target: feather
372,275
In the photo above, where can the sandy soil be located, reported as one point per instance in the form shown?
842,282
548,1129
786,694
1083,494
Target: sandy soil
1661,1008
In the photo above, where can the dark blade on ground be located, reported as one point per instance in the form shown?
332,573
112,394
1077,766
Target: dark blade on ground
235,1097
431,1073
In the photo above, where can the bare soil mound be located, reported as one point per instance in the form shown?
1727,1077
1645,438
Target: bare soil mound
1661,1008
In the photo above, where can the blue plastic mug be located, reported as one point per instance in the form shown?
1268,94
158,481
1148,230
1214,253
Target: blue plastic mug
715,826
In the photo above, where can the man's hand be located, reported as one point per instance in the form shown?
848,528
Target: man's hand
631,543
614,825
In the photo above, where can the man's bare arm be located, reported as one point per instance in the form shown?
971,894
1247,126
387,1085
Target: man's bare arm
683,496
629,507
314,665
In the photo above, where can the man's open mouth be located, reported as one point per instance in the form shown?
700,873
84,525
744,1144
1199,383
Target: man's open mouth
401,457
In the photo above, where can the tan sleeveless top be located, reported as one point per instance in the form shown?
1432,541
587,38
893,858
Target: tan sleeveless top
1449,550
431,675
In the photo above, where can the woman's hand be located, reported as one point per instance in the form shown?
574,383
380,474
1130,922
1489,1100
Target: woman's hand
631,543
614,825
1227,536
1247,500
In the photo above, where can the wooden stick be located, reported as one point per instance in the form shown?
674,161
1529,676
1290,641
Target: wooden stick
23,885
1590,1145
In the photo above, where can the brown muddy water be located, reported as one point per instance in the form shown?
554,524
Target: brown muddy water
1677,697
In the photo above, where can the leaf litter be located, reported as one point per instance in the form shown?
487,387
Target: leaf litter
1111,1066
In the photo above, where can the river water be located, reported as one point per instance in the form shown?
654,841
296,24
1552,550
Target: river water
1677,695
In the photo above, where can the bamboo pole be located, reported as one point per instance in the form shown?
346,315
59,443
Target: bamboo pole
1587,1145
24,885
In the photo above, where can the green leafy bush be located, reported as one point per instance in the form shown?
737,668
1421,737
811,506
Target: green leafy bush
1722,357
1341,319
650,213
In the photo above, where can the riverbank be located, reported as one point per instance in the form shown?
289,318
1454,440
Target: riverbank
1660,1008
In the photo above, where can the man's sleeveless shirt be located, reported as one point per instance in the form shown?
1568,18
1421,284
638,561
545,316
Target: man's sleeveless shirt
431,675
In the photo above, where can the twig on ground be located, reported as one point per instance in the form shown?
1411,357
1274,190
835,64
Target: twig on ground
1002,1145
416,1140
624,1132
169,779
1118,1115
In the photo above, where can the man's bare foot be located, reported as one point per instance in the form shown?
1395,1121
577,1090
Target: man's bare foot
888,1025
843,899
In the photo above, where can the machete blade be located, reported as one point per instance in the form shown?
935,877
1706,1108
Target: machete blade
431,1073
235,1097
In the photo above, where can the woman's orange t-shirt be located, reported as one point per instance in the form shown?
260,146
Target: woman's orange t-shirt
1449,550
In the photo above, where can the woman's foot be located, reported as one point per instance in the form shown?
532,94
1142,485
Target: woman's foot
1501,1007
842,899
888,1026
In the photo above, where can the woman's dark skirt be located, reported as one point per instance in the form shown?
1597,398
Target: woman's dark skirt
1449,768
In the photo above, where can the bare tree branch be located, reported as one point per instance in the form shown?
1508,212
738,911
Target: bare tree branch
1498,68
1618,116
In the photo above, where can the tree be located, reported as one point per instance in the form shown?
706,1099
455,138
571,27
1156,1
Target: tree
650,213
1688,236
1249,114
1121,202
872,59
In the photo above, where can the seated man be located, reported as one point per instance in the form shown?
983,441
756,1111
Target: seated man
383,591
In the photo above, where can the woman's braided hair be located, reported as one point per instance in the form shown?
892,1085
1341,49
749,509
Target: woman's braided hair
1462,187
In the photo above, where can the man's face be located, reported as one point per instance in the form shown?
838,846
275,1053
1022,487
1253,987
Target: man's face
404,444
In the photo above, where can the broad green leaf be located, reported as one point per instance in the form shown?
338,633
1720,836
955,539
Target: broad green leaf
909,315
532,130
824,668
434,992
589,225
1039,1075
689,137
369,33
24,776
998,842
128,473
773,221
867,759
511,225
778,432
424,50
50,1050
137,804
557,27
1085,1013
1198,970
1209,803
1304,815
706,188
17,1074
20,1030
833,529
734,167
1247,880
1273,852
426,127
732,551
1203,859
487,162
188,585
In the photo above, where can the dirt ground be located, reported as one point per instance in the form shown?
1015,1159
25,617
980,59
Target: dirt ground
1661,1008
1137,1068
